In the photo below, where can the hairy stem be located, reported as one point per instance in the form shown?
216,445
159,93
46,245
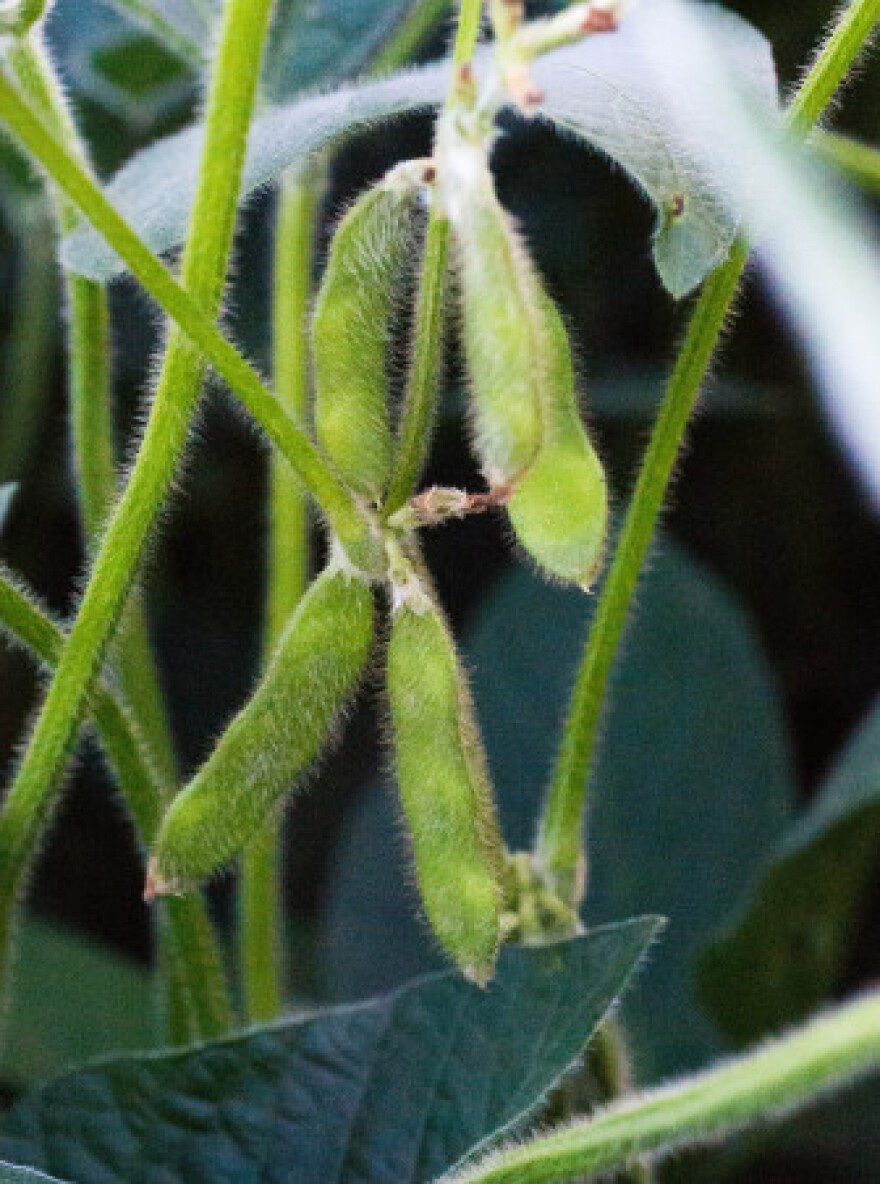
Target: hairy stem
345,517
189,945
28,353
423,382
90,407
825,1055
205,260
859,162
260,899
560,836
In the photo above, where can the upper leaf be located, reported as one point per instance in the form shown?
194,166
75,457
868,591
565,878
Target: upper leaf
788,947
398,1088
600,90
10,1174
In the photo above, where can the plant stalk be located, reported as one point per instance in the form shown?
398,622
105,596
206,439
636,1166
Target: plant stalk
261,925
560,842
832,1051
859,162
189,945
205,261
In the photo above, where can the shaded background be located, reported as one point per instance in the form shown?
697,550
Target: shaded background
764,496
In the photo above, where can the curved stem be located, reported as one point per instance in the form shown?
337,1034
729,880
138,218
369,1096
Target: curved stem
560,836
346,519
190,946
827,1054
423,382
260,887
205,260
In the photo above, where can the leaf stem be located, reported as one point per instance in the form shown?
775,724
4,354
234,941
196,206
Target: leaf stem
205,260
193,947
560,835
345,517
831,1052
859,162
260,887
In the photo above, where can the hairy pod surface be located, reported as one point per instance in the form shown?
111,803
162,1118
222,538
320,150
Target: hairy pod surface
274,738
559,508
502,325
350,329
444,789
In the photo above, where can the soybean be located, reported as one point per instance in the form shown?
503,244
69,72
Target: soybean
502,326
444,788
559,509
350,330
275,738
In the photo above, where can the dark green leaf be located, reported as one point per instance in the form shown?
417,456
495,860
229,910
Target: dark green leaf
789,945
693,786
396,1089
73,1000
599,90
10,1174
327,42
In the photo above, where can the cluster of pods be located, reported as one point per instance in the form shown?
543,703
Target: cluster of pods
538,462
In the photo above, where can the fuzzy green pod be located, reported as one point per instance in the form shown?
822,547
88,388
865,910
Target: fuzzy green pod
559,508
350,329
502,326
444,788
274,738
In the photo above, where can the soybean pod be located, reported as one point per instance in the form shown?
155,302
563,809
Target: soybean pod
444,786
502,327
350,329
275,738
559,508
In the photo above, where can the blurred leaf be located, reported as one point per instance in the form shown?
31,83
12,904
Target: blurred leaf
182,26
10,1174
323,43
397,1088
600,90
19,183
693,786
7,493
816,244
788,947
73,1000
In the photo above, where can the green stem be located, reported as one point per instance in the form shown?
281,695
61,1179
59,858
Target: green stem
560,837
424,377
347,520
859,162
470,15
827,1054
30,347
260,888
834,61
205,261
22,16
190,944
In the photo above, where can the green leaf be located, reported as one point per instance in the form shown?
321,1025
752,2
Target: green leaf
327,42
10,1174
7,493
788,947
73,1000
815,243
599,90
693,786
397,1088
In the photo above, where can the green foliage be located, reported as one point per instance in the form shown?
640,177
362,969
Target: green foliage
327,1093
275,737
791,942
